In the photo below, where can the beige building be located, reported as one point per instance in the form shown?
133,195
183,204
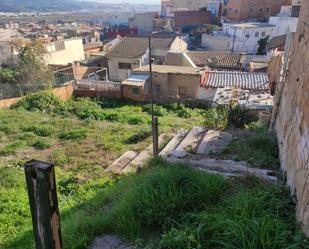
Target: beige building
143,22
63,52
133,52
6,53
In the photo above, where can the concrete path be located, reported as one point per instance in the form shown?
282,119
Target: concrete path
108,242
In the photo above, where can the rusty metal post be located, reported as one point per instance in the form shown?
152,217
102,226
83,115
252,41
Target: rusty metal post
155,136
41,184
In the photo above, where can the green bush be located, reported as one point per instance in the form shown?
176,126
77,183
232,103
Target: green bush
77,134
135,120
39,130
139,137
239,117
85,108
160,197
11,148
43,101
158,110
216,118
42,144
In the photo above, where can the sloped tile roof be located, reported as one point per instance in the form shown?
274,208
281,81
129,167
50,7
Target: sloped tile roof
221,59
235,79
133,47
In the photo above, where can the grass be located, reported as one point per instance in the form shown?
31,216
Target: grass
165,206
258,148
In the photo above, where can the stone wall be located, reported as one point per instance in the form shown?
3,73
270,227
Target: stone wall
292,123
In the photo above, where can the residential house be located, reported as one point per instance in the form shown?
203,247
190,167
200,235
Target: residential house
192,18
63,52
92,47
169,82
143,22
238,37
284,24
133,52
246,88
222,60
296,4
244,10
6,52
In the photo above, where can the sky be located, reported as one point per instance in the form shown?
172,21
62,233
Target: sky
128,1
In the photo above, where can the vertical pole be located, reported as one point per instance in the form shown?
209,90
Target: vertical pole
41,184
154,119
155,138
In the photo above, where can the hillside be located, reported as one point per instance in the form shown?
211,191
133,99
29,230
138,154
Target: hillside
47,6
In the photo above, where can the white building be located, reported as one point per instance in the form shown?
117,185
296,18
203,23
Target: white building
144,22
284,24
63,52
239,37
8,34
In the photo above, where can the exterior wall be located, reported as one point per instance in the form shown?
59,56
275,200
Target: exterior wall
284,24
116,74
5,51
127,92
216,43
178,45
188,4
246,39
64,92
192,18
8,34
292,123
206,93
144,22
73,51
239,10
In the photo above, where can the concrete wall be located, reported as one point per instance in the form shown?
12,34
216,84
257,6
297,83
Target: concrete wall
292,123
144,22
73,51
216,43
283,24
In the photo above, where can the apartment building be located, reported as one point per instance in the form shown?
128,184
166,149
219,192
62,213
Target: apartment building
241,10
143,22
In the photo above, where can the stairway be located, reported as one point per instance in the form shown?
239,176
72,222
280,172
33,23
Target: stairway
192,148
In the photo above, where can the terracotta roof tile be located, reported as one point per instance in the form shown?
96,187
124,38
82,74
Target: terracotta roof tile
133,47
240,80
221,59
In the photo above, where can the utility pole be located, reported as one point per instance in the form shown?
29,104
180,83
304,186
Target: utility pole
154,119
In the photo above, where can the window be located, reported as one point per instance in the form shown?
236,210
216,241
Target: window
157,88
267,9
257,34
236,11
263,34
135,90
261,9
124,65
247,35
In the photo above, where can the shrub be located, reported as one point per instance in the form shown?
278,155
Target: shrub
85,108
73,135
158,110
113,116
39,130
43,101
139,137
185,113
135,120
216,118
11,148
42,144
239,117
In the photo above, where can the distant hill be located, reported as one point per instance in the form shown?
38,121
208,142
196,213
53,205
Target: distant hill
46,5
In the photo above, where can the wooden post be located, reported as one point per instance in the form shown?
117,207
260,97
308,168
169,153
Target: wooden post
41,184
155,136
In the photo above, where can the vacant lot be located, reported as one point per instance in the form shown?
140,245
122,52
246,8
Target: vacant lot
178,208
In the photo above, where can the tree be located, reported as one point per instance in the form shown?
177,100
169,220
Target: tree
32,69
263,42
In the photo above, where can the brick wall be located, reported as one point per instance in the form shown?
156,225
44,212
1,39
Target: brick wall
64,92
292,123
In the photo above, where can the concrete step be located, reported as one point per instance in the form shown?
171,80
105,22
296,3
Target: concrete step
122,162
173,143
214,142
226,167
140,160
190,143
